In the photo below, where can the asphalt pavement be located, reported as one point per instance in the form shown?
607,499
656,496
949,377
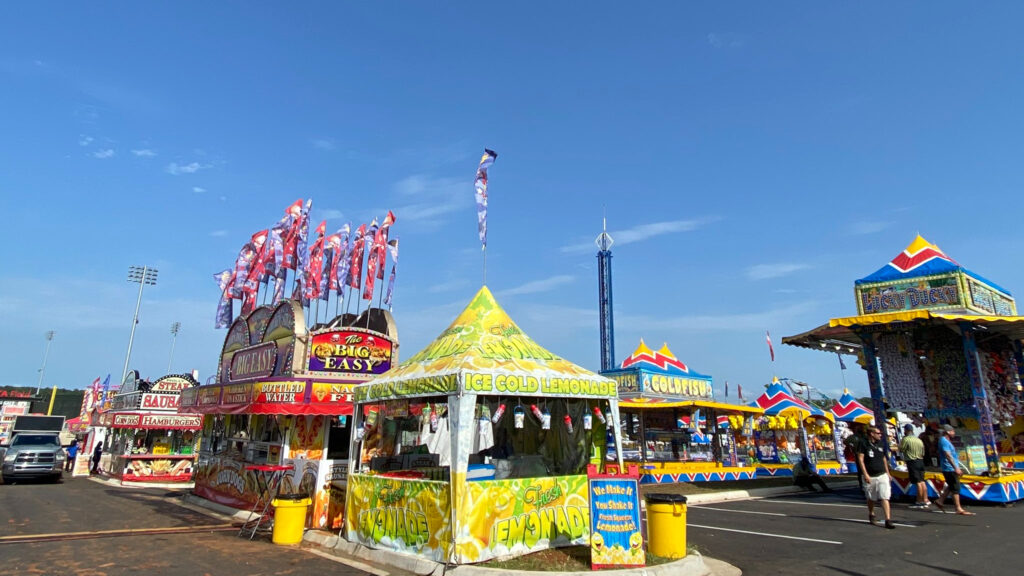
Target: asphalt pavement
88,528
830,534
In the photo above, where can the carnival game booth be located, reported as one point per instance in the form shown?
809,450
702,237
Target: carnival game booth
849,414
665,409
789,429
283,398
146,439
477,447
943,344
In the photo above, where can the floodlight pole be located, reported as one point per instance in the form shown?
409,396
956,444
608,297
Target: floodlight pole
42,371
142,275
175,328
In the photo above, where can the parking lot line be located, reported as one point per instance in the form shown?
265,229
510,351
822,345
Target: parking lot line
862,521
763,534
741,511
802,503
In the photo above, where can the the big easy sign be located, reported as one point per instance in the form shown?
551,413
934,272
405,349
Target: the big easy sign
160,401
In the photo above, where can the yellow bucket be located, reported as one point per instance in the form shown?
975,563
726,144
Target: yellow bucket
289,518
666,525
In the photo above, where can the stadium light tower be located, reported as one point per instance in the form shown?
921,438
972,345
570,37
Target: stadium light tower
175,328
42,371
141,275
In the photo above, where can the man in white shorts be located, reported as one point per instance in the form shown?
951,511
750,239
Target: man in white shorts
874,469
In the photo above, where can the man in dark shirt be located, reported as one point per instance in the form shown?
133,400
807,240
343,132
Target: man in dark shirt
874,470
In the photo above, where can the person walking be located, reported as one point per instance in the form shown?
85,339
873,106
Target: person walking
72,451
874,470
912,453
951,471
97,454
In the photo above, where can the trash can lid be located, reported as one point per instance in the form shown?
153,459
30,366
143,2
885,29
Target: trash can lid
291,497
674,498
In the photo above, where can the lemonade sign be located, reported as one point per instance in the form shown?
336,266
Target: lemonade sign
505,517
615,539
410,516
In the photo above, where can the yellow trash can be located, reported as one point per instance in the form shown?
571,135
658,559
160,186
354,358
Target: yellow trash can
666,525
289,518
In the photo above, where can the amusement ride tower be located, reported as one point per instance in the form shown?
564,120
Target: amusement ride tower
604,296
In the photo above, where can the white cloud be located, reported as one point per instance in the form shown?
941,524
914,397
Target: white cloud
769,271
144,153
331,214
537,286
323,143
432,198
178,169
219,233
724,40
102,154
198,190
643,232
449,286
868,227
84,140
739,322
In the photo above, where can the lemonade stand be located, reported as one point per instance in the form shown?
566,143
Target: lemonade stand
477,447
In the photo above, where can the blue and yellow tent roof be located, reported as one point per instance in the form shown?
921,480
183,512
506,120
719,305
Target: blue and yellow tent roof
921,258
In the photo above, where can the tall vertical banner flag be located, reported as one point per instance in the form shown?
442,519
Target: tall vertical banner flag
739,391
315,264
481,194
340,278
355,269
768,338
842,365
242,265
381,242
371,261
291,236
302,255
257,270
329,279
104,398
224,312
393,248
726,388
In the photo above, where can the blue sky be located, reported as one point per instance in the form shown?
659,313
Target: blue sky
753,160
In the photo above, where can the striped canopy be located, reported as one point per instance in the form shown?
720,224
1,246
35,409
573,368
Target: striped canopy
777,401
847,409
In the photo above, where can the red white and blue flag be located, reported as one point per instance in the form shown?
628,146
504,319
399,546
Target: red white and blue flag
224,312
481,194
355,269
393,248
372,236
768,338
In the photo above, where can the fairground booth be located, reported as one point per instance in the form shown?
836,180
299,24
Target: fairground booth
849,415
790,429
282,396
147,440
942,344
477,447
665,409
